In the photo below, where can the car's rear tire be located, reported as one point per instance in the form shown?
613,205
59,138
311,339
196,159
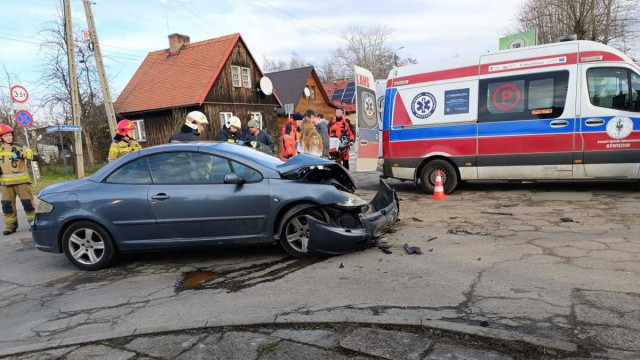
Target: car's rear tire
447,172
295,233
88,245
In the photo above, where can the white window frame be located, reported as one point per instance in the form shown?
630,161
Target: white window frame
139,133
236,80
246,82
257,116
224,116
312,92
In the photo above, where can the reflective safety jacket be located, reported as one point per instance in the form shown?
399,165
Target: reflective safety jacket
13,164
121,146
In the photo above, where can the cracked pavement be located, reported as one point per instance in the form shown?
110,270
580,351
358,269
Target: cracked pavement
553,260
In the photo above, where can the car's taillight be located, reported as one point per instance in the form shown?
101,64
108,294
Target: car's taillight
386,146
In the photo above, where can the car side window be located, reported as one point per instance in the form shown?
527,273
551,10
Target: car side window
610,88
248,174
188,168
134,172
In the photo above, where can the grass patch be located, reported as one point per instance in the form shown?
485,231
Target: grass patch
264,349
54,174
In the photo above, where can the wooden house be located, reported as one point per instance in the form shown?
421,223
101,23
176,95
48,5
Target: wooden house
302,88
218,77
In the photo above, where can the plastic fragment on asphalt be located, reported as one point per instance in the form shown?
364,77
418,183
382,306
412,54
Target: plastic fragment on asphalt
412,249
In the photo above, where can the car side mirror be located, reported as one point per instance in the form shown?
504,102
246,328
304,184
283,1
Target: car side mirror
233,178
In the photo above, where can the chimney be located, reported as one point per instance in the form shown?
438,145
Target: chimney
176,41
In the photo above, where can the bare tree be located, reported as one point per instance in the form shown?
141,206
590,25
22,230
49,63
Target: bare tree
296,61
368,48
57,98
613,22
7,79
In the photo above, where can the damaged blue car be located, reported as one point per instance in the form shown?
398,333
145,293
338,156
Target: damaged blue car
208,194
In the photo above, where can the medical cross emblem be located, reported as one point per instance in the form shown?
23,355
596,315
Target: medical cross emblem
423,105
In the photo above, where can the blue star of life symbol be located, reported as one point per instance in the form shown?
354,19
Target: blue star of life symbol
423,105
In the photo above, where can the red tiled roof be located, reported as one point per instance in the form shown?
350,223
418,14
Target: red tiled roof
164,81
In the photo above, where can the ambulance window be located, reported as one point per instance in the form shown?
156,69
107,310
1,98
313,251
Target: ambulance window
609,88
523,97
540,94
635,92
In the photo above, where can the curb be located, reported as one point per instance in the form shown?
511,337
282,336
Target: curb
303,319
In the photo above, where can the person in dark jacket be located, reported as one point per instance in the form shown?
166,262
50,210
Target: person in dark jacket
323,129
255,134
191,129
231,131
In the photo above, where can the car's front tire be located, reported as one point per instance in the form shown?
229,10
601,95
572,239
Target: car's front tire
88,245
295,233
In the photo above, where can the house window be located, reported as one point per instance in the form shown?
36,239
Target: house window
246,78
139,133
224,116
235,76
312,92
240,76
256,116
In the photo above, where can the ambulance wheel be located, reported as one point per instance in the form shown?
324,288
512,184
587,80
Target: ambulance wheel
447,172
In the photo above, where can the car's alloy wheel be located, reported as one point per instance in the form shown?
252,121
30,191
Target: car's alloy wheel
295,239
88,246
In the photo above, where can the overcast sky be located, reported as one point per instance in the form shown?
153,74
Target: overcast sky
128,29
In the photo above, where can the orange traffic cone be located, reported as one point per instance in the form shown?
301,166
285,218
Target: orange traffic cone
438,190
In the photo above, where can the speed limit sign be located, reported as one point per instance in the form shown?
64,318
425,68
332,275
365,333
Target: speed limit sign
19,94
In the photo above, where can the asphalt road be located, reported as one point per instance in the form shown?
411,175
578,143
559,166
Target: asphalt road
554,260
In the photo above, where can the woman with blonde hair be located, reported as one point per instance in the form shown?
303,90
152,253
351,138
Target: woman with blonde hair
310,140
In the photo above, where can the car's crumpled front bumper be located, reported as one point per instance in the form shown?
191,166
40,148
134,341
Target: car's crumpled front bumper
333,240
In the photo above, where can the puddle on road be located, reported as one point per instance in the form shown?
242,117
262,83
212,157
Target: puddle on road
238,279
195,279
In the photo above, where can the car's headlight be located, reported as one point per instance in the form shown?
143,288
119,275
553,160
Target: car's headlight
351,201
43,207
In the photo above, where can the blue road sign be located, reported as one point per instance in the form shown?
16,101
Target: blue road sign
24,118
51,129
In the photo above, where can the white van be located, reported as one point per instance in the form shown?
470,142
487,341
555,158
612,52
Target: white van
568,110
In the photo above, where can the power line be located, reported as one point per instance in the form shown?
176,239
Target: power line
290,15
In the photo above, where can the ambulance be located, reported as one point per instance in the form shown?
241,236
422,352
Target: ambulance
569,110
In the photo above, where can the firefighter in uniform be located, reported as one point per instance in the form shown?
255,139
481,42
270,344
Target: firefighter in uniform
14,179
339,129
123,143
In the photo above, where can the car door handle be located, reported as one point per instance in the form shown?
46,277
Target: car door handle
160,197
559,123
594,122
363,142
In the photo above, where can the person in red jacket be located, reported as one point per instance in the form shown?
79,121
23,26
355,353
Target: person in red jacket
290,137
339,129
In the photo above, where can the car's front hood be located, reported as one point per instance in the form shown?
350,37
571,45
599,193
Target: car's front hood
75,185
317,170
302,161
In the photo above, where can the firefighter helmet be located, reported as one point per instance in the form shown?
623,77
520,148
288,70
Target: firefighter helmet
194,118
5,129
233,121
124,126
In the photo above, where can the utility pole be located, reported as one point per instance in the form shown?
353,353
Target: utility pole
75,97
108,104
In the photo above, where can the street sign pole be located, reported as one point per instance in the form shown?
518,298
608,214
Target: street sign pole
33,163
64,158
